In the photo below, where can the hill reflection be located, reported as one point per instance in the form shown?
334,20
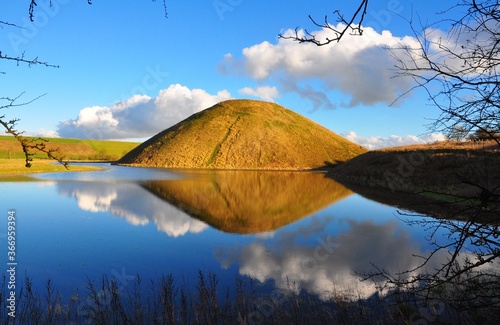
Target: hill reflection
249,201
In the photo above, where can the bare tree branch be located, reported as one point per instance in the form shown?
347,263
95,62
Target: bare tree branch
353,24
164,7
29,62
6,23
30,145
459,72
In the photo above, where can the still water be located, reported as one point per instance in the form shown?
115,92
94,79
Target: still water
298,230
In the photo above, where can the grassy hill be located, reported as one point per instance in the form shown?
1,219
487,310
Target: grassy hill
244,134
71,149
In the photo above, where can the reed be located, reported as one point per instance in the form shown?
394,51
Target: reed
164,302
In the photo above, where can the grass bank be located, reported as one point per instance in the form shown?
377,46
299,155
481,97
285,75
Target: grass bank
16,167
447,175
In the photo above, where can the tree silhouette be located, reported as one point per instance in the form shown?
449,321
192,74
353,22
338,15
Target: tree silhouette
459,71
30,145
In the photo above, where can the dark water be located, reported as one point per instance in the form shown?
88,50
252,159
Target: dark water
302,231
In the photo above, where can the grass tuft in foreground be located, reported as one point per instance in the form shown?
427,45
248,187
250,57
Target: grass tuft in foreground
161,301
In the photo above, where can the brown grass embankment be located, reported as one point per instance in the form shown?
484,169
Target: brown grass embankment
444,175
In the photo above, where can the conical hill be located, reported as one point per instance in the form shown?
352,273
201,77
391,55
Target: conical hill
244,134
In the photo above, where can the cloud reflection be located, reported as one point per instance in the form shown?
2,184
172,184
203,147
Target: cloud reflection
325,264
132,203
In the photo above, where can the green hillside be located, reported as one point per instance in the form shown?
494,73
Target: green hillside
244,134
71,149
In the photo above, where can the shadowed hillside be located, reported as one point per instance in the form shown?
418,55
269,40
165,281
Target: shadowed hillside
249,201
440,179
244,134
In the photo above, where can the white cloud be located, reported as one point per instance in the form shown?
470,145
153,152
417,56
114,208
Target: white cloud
375,142
462,44
359,67
265,92
139,116
46,133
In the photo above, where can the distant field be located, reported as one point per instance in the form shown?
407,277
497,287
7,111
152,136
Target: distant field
71,149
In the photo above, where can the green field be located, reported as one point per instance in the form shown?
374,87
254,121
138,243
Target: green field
71,149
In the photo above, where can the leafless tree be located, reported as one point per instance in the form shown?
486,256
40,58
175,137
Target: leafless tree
459,70
30,145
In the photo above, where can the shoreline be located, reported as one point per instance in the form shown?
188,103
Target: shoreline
15,167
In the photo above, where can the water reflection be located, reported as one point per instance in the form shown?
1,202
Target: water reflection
319,253
132,203
311,259
249,201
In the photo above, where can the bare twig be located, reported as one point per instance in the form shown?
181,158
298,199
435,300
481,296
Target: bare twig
348,25
29,145
459,72
29,62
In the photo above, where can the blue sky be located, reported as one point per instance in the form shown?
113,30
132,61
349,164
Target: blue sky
127,72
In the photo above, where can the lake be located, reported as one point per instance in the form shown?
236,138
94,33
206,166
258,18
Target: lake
298,231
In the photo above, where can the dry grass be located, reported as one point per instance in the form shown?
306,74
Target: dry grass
162,301
489,145
451,173
443,167
244,134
